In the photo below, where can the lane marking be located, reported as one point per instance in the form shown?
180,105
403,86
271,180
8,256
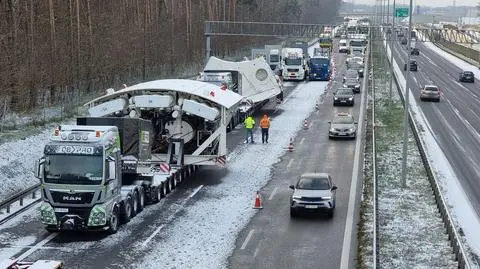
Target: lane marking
257,249
349,223
37,246
170,218
301,141
55,248
273,193
289,163
244,245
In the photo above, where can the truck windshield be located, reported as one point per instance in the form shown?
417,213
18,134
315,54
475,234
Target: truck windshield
74,169
319,61
274,58
293,61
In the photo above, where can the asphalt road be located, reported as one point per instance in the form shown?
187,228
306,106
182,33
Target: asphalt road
455,120
274,240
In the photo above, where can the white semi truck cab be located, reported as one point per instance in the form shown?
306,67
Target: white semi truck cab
293,64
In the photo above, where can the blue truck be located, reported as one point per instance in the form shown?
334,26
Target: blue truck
320,67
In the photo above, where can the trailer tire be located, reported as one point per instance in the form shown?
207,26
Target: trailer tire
164,189
127,210
134,204
170,184
113,222
141,202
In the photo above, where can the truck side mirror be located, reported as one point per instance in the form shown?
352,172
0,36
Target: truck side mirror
39,164
112,170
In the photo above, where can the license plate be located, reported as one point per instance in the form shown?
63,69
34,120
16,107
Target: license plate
342,134
343,101
61,210
311,206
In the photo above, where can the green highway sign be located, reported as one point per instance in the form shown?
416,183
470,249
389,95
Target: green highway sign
401,12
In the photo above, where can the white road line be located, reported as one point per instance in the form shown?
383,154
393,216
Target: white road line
145,243
301,141
28,246
349,225
244,245
37,246
273,193
256,251
289,163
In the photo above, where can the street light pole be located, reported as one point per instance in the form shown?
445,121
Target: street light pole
407,94
392,37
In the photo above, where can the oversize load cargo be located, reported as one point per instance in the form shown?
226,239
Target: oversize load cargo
135,134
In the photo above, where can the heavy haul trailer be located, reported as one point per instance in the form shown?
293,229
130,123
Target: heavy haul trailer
252,79
133,149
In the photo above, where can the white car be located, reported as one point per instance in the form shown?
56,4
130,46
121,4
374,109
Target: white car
343,47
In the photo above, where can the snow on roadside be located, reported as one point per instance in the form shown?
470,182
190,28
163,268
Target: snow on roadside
15,245
204,235
410,233
456,198
17,161
454,60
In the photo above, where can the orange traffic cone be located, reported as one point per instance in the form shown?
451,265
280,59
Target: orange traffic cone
258,201
290,146
305,124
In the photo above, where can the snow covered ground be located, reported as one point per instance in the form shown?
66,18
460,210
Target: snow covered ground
17,161
410,232
461,209
204,235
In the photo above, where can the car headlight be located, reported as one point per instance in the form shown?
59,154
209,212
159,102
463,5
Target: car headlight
351,98
357,86
327,198
351,129
335,98
47,214
98,216
332,130
296,197
345,85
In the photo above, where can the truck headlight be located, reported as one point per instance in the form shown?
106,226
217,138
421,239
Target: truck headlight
345,85
98,216
357,86
47,214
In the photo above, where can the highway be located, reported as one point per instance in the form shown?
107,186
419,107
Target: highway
276,237
272,239
455,120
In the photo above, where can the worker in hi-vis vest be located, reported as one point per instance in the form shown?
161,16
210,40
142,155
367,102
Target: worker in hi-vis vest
265,125
249,124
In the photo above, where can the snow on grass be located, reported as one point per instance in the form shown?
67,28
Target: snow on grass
204,235
410,232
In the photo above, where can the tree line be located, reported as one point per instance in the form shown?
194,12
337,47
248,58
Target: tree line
54,49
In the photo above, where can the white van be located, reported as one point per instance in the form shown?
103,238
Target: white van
343,46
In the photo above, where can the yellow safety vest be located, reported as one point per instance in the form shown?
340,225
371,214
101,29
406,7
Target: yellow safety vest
249,122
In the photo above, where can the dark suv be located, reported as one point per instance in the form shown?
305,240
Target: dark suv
413,66
415,51
466,76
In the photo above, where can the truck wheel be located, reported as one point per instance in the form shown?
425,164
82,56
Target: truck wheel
134,204
175,179
141,202
127,210
164,189
170,184
113,222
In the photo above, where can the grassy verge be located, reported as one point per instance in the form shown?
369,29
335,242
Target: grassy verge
410,232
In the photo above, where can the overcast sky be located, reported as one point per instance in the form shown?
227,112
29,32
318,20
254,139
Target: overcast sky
432,3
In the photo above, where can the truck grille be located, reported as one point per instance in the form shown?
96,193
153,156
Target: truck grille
72,198
292,69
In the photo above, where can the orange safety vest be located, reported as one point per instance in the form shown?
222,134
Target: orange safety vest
265,122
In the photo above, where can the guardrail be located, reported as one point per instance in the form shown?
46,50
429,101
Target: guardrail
10,203
453,235
374,175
